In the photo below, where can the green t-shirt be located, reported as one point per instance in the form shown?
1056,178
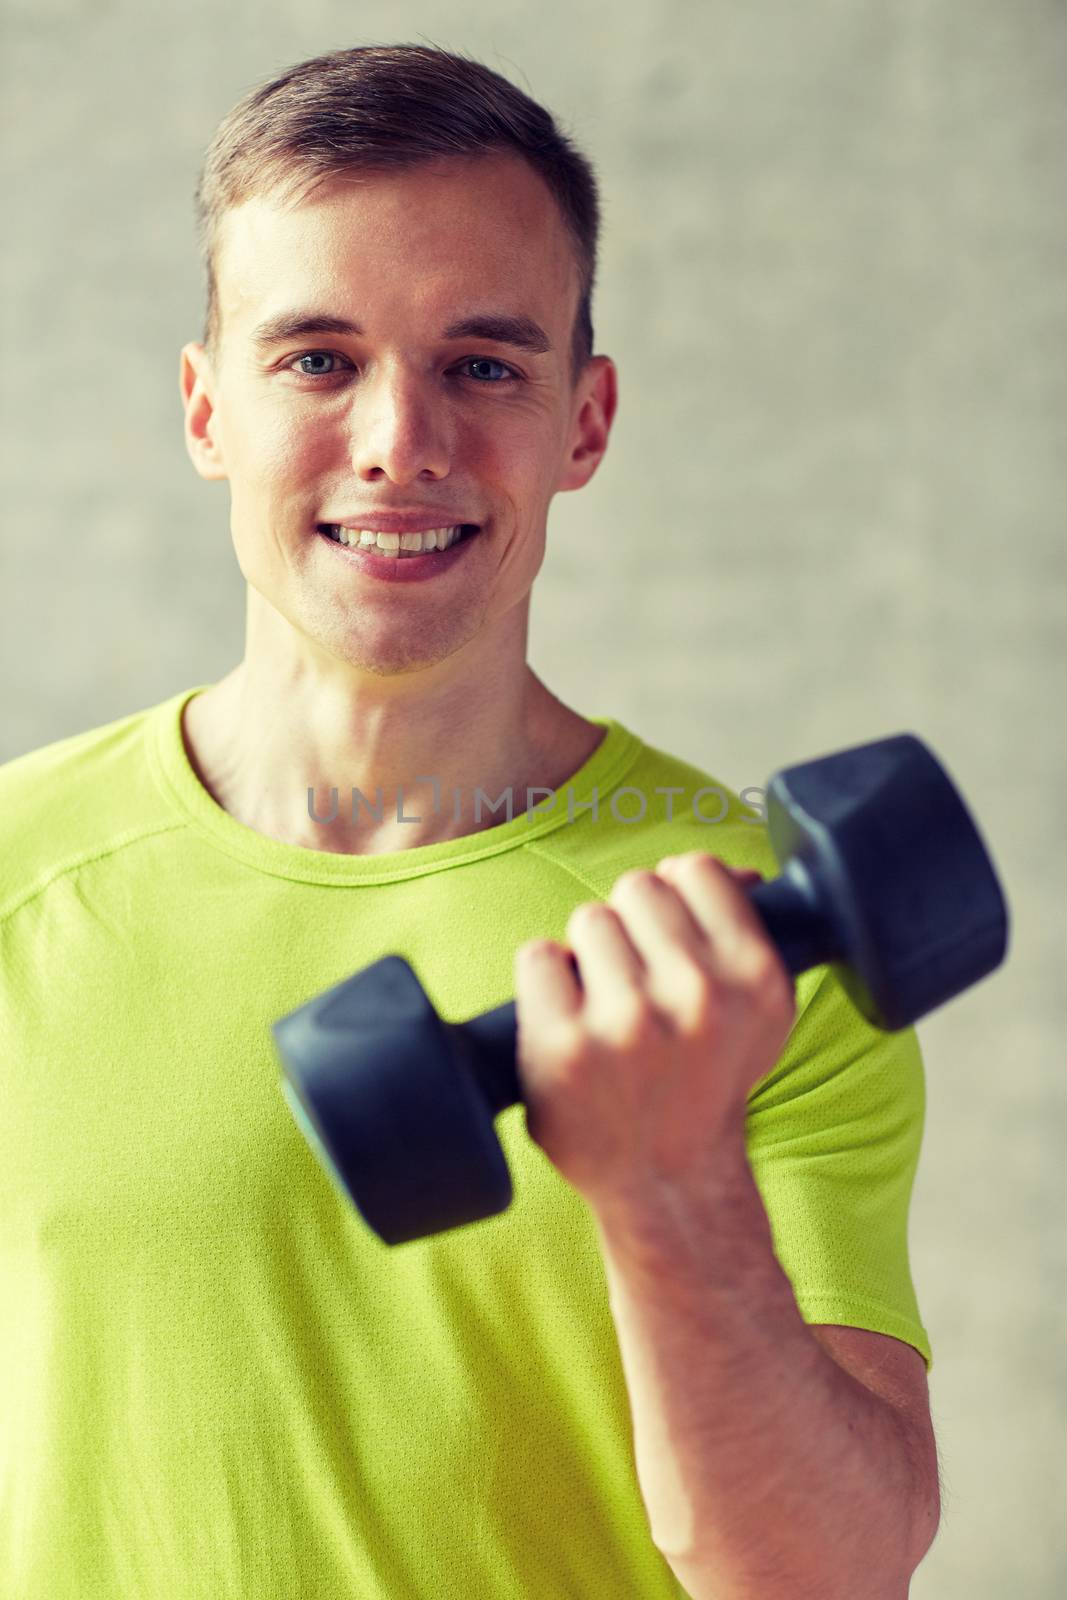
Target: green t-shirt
217,1382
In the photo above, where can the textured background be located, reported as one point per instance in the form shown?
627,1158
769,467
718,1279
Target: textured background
833,279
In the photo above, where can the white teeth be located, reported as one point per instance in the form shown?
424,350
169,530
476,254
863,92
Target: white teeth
391,544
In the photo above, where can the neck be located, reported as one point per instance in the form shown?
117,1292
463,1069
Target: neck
269,732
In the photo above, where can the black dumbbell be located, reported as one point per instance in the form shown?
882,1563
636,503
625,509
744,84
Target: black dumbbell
884,877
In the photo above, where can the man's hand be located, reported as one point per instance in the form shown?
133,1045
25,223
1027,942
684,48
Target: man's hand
639,1043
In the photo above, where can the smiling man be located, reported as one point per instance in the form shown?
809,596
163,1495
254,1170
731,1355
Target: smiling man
688,1358
395,355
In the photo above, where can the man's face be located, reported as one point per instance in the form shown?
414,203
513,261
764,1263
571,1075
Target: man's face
322,427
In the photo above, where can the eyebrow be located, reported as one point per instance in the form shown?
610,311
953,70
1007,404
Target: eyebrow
497,327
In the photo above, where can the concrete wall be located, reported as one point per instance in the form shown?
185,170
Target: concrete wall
832,277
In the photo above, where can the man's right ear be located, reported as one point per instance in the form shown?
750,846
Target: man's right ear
200,441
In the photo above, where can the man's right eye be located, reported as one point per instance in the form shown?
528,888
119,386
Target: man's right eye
311,355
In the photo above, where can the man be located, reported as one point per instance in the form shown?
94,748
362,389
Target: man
688,1358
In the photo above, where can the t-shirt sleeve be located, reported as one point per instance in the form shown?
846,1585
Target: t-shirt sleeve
833,1135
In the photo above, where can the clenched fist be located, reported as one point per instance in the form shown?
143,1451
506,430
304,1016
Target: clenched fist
639,1041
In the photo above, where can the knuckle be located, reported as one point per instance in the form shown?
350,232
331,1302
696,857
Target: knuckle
634,878
702,860
566,1049
769,981
587,914
692,977
698,999
630,1022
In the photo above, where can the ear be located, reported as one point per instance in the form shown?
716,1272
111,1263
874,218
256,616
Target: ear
595,401
197,387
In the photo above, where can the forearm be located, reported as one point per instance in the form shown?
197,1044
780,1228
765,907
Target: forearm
767,1470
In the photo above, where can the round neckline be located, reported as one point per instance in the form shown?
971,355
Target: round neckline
174,772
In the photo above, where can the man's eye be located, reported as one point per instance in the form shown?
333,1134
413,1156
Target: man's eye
491,361
471,361
313,355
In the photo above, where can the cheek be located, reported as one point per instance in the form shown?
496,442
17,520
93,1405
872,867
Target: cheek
519,453
289,452
280,473
273,440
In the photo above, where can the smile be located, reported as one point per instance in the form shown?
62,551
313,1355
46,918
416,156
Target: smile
385,559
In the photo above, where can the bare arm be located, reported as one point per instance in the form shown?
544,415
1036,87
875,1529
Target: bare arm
767,1470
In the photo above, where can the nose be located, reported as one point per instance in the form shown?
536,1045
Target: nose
400,428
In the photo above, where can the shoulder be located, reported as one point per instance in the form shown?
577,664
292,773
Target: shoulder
654,804
62,803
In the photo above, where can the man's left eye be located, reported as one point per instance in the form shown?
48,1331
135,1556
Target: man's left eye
487,361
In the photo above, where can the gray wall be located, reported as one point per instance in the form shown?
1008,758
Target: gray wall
833,281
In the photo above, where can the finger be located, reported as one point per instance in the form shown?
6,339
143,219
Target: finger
547,986
679,957
659,920
717,898
612,970
743,875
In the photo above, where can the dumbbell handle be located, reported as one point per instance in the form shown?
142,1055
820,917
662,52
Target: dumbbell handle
790,911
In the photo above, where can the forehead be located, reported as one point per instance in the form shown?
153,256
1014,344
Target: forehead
450,229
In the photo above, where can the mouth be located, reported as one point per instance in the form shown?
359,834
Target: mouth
398,547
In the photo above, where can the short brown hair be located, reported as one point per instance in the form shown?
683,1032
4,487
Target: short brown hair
377,108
